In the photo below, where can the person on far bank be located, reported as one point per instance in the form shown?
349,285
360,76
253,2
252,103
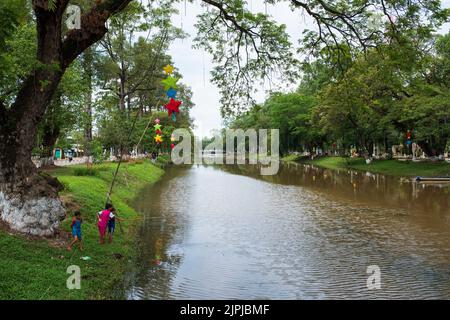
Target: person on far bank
77,220
112,223
154,157
103,219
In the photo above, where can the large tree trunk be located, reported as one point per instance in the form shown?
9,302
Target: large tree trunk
29,201
49,138
51,130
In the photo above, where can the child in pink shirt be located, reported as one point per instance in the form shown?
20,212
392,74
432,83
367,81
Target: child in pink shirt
103,218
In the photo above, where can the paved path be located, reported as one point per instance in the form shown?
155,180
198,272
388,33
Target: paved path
80,160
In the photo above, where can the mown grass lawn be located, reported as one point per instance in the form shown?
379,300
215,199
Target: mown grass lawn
36,268
389,167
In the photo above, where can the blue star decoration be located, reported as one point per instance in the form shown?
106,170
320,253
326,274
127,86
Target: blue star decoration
172,93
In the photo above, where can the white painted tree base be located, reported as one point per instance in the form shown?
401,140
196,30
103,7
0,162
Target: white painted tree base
39,217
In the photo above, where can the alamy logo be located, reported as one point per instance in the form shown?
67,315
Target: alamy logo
73,17
74,280
241,146
374,280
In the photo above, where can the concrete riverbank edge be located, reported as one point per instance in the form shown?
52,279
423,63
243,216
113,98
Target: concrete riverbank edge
387,167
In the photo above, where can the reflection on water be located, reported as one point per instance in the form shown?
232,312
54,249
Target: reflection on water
225,232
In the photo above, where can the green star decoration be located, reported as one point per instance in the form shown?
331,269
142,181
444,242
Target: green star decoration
170,82
157,127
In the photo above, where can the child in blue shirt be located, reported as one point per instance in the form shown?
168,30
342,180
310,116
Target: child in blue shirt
112,223
77,220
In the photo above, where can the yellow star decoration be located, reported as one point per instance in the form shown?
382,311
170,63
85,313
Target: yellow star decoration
168,69
158,139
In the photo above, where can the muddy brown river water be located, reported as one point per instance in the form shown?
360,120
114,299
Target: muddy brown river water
226,232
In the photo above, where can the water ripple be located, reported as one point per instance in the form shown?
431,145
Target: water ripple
220,235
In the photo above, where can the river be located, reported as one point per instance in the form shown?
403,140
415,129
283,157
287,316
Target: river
226,232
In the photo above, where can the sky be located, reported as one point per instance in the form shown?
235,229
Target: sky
195,65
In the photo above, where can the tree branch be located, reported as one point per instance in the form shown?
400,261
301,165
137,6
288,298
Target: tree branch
92,29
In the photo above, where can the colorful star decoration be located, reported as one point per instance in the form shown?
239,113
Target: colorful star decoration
158,139
157,127
170,83
168,69
173,106
170,86
157,121
172,93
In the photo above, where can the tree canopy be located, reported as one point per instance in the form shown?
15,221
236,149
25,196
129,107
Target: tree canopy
380,95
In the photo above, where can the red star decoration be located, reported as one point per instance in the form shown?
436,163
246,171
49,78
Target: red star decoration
173,106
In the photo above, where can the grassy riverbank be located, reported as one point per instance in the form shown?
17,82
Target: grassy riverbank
36,269
389,167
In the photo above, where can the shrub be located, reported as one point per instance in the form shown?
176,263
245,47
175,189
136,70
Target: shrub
85,172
